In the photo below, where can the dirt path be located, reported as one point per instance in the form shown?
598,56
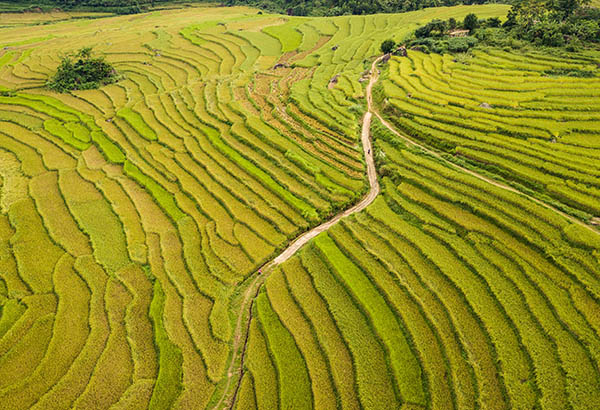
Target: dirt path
242,327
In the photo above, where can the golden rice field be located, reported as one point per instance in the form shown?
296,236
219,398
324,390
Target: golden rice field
134,217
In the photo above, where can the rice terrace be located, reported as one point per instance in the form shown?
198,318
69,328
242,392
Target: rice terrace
260,210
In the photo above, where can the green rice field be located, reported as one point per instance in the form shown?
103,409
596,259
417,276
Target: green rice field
136,218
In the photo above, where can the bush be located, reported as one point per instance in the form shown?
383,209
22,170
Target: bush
437,26
570,72
441,46
7,93
492,22
82,71
422,32
461,44
546,32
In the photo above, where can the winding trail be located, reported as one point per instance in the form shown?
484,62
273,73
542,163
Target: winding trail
240,338
240,341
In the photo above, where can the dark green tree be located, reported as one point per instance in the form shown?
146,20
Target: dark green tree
82,71
438,26
387,46
566,8
493,22
471,22
452,23
423,31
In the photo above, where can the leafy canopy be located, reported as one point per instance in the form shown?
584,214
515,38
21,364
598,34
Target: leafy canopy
471,22
82,71
387,46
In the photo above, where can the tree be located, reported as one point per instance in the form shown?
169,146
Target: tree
451,23
493,22
471,22
387,46
566,7
82,71
423,31
438,25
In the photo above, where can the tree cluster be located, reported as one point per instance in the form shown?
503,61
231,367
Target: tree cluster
436,36
346,7
82,71
440,28
554,23
110,6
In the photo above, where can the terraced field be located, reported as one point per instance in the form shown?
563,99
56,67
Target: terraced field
521,122
134,219
450,290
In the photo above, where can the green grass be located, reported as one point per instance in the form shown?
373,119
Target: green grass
292,373
168,383
403,362
293,318
287,34
12,310
332,345
96,219
260,365
164,198
137,122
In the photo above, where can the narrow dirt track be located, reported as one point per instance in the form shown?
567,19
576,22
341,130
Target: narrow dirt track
240,338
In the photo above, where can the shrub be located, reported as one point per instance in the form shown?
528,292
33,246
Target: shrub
444,45
570,72
423,31
492,22
437,26
82,71
461,44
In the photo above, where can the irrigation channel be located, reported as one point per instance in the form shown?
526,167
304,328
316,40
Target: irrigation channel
240,340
